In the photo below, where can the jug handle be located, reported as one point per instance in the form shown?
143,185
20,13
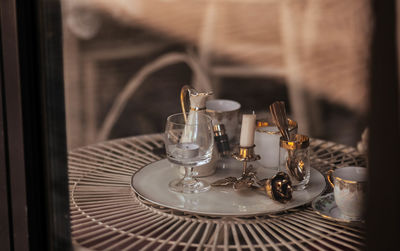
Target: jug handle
184,91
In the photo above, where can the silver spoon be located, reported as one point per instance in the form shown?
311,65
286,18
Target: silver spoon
278,112
295,167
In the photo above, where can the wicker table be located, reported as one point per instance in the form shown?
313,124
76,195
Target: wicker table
106,214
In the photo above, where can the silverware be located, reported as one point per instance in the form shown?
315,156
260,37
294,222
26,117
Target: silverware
224,182
243,182
295,166
278,113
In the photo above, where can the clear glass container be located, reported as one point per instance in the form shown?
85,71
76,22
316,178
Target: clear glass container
189,143
294,159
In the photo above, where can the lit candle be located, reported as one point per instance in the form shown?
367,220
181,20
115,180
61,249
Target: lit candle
187,150
248,128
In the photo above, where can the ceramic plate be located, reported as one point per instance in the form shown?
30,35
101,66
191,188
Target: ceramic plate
151,183
326,207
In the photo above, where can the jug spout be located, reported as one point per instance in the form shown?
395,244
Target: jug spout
198,99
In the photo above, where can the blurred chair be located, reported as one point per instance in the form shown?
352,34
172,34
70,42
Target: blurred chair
84,53
82,23
260,38
272,53
200,82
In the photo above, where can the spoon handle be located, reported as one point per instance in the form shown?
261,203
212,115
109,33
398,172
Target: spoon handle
272,109
284,119
278,113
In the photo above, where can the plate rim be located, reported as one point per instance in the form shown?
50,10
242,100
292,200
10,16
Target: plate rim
137,193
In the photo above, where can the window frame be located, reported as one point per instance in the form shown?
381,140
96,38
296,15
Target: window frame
33,140
33,152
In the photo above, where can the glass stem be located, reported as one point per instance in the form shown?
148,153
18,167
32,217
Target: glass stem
188,180
188,174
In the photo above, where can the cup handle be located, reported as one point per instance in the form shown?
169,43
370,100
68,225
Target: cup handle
329,178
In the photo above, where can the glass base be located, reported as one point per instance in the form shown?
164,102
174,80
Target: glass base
189,186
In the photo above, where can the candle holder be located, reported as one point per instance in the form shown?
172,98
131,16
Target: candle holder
248,177
245,154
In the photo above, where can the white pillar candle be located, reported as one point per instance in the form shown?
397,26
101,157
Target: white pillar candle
248,128
267,145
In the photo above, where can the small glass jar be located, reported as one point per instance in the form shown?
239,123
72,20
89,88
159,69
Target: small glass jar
294,159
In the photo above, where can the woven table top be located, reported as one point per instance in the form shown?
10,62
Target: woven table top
107,215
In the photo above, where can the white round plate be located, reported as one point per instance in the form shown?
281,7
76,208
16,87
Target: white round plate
151,183
326,207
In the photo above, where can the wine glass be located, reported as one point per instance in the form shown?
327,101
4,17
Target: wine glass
189,144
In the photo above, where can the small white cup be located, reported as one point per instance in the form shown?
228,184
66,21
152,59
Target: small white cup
226,112
350,186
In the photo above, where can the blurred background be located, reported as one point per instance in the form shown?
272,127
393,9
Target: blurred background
312,54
